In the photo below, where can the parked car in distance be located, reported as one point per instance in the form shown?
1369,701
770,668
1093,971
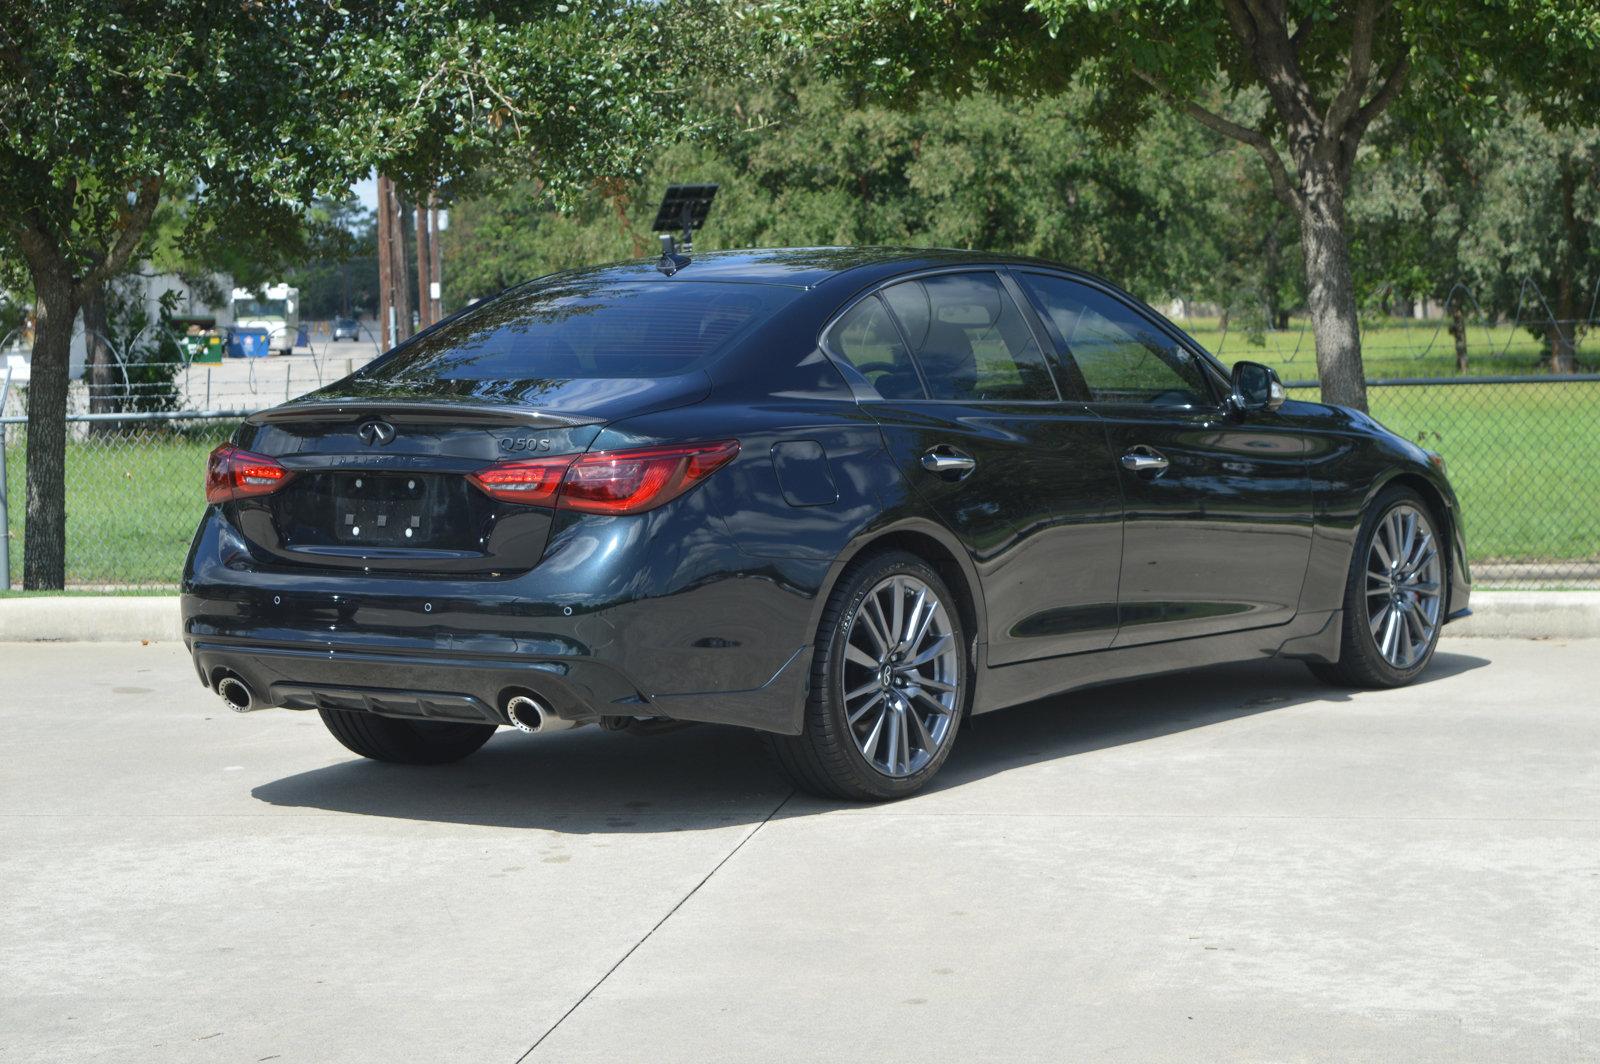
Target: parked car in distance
346,329
846,497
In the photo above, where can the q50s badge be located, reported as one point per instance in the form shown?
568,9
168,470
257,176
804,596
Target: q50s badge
513,444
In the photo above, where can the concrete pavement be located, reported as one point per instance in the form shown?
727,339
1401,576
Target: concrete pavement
1236,864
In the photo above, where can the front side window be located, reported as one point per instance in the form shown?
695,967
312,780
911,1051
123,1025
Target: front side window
970,338
867,339
1123,356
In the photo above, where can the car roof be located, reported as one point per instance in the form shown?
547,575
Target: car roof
796,267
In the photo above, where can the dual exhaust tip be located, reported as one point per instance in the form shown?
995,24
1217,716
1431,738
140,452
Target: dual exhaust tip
523,712
529,714
236,693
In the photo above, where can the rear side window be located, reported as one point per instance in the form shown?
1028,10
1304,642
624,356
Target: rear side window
1123,356
570,329
867,339
970,338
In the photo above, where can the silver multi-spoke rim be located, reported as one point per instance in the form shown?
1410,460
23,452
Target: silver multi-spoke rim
1403,586
901,676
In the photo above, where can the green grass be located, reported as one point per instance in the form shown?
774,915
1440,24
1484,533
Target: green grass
1391,347
1522,458
132,507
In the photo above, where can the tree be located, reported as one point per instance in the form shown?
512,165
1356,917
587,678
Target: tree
336,269
1467,216
1305,80
106,105
1175,210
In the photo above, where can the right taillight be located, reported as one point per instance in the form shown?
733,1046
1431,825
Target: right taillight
232,474
607,482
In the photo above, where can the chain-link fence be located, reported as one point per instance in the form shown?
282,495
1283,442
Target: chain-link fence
164,369
1520,451
1521,456
1458,335
135,493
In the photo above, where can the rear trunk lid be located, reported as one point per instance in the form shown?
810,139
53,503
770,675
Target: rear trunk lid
379,475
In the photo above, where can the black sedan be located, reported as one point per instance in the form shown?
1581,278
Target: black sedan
845,497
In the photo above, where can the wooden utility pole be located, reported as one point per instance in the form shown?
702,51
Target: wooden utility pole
386,338
436,275
399,272
424,266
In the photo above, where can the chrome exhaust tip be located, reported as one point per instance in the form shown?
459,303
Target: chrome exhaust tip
528,714
236,694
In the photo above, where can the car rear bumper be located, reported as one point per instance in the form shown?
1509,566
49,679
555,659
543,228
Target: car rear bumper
588,633
414,683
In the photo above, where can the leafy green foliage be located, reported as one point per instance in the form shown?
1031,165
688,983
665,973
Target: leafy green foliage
249,112
1174,211
1303,81
336,270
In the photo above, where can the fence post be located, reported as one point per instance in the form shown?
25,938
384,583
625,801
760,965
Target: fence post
5,515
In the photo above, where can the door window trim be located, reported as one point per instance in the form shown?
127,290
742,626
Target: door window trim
1212,371
864,391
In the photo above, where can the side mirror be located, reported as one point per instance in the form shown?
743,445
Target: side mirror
1255,388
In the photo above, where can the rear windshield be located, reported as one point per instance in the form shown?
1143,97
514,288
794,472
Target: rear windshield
576,329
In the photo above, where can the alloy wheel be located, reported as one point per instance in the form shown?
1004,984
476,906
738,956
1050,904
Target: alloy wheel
901,679
1403,586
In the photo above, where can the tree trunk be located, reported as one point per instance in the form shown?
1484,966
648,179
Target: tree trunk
1331,294
45,536
1563,351
103,376
1563,358
1458,331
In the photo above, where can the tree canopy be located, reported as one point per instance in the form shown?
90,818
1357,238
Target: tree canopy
257,109
1303,81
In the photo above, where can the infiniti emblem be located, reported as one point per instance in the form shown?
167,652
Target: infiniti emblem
376,433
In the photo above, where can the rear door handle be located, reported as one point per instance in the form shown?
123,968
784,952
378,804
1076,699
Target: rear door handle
946,461
1145,460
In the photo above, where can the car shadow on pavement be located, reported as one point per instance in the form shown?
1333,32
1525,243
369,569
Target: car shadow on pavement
589,781
1135,710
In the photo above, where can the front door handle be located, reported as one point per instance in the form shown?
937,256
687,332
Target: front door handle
946,461
1145,461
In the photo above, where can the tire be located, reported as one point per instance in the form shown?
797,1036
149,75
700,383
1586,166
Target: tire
901,704
405,742
1391,647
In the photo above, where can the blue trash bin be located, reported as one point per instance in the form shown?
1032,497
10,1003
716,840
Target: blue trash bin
249,343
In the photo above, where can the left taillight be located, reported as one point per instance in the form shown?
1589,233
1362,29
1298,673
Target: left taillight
606,482
232,473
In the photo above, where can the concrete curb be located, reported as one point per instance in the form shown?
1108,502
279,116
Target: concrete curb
117,618
1531,615
90,619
